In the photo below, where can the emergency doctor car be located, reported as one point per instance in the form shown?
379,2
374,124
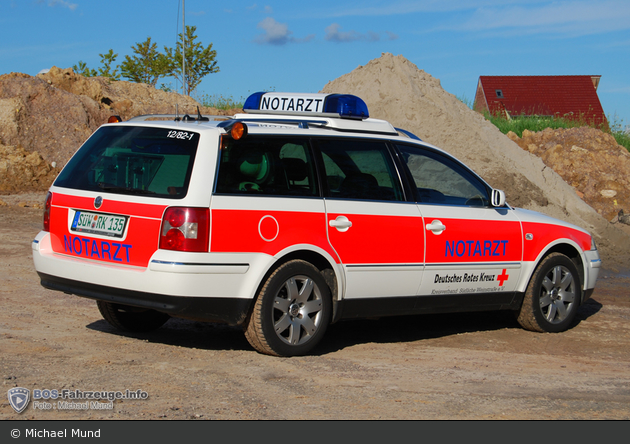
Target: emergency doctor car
298,213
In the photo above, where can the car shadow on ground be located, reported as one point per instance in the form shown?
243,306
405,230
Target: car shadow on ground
347,333
185,333
428,326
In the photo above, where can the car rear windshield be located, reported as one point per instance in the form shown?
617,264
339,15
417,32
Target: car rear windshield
133,160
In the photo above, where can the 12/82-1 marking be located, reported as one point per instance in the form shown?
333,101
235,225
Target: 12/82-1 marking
182,135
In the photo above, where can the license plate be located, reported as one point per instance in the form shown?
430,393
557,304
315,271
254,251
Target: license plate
98,223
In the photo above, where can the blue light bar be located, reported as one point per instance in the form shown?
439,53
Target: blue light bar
326,105
253,101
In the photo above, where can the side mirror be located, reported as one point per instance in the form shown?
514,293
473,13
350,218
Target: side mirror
498,198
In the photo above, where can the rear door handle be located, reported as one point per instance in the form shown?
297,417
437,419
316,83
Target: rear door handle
437,227
341,223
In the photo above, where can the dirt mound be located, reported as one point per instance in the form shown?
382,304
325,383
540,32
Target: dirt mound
54,113
587,159
397,91
22,171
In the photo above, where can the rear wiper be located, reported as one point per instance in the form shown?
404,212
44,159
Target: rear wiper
125,190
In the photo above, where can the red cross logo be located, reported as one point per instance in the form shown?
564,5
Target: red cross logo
502,277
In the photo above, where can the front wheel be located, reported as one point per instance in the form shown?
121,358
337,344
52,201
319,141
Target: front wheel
292,311
127,318
553,295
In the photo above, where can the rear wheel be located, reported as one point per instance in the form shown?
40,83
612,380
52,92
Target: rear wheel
553,295
127,318
292,311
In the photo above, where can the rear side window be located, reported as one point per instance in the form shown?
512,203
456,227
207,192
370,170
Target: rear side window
359,169
133,160
266,166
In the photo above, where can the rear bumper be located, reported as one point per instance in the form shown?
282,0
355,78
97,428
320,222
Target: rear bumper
232,311
203,275
214,287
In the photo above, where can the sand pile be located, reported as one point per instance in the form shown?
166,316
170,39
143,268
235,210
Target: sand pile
396,90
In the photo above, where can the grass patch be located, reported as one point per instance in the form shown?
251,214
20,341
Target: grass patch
619,132
220,101
540,123
535,124
531,123
623,139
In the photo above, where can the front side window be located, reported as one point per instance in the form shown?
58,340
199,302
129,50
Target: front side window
266,166
359,169
133,160
441,180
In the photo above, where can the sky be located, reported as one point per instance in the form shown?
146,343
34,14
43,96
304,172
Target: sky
296,46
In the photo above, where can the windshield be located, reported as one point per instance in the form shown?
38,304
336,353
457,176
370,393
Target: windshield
133,160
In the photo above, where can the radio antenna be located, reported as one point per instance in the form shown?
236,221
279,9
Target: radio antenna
184,48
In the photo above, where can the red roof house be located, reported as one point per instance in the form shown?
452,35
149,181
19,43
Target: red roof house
572,97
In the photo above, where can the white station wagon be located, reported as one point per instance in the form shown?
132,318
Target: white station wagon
299,213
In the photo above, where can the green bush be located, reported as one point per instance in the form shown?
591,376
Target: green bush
621,134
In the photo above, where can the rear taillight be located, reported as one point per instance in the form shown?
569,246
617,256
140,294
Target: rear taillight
185,229
47,206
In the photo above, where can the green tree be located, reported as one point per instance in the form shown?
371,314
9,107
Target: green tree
83,70
106,66
200,61
104,71
147,65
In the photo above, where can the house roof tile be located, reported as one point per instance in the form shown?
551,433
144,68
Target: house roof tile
564,96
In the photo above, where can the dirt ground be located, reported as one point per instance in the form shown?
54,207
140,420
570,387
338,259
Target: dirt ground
464,366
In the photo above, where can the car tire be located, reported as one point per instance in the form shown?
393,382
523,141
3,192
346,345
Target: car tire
127,318
292,311
552,296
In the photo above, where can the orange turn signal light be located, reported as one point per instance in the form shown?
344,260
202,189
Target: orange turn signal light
114,119
238,130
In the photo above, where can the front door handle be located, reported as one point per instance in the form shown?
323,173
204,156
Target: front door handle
437,227
341,223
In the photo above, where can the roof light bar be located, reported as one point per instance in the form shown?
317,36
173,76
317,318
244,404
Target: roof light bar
325,105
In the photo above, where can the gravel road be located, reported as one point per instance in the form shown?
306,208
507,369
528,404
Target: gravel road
463,366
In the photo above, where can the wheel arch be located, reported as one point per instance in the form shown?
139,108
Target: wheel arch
570,249
319,259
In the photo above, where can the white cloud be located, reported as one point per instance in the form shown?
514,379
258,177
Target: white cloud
275,33
62,3
618,90
563,17
566,18
404,7
572,17
334,34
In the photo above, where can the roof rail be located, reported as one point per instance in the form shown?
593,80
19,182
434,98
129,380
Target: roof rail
372,126
177,118
408,134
